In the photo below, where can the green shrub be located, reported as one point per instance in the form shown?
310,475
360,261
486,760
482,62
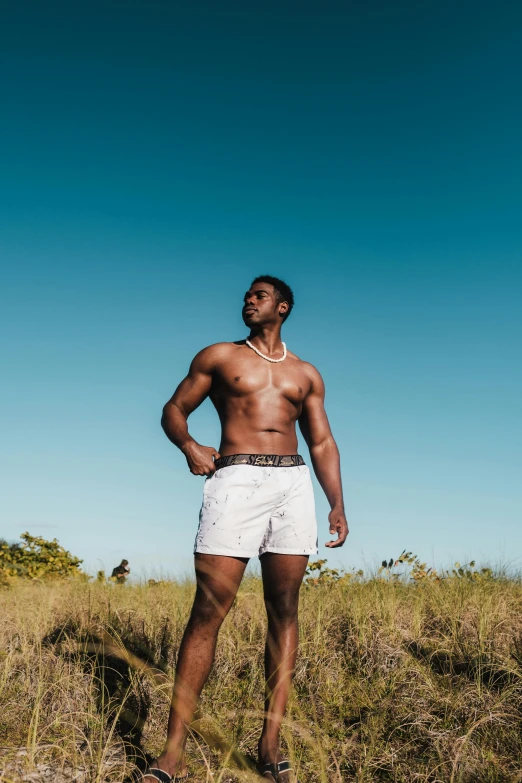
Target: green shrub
36,558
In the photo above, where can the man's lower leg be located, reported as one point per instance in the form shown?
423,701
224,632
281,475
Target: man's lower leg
280,657
218,579
282,578
196,656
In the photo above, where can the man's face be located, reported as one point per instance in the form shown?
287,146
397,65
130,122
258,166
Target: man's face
261,306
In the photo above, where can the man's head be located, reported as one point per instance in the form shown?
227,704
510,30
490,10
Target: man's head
124,563
268,300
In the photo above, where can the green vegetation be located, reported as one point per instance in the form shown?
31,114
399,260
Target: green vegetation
36,558
399,679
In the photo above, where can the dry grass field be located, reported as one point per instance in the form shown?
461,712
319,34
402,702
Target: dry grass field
395,682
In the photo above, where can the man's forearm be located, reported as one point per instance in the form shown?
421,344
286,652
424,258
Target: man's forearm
327,468
175,427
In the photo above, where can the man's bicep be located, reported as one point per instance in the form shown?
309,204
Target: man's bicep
194,388
313,421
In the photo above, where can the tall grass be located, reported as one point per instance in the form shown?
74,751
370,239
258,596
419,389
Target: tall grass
394,682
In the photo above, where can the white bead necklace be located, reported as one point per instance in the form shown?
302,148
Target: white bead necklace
262,355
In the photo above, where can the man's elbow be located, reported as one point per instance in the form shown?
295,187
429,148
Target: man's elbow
166,414
323,445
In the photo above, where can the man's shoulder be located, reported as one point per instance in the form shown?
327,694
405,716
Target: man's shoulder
214,354
305,366
310,371
221,347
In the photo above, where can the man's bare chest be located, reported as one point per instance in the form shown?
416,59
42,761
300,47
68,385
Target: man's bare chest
258,378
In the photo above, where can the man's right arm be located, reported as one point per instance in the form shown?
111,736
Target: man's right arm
188,396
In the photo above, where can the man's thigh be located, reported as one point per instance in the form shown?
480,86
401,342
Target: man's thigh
282,574
218,578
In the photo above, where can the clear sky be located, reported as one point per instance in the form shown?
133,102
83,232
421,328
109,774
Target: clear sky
157,156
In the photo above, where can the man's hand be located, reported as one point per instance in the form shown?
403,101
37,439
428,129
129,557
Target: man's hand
200,459
339,525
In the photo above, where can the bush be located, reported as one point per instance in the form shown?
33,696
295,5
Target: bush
36,558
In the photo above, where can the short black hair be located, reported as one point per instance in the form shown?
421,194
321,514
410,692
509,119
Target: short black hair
283,291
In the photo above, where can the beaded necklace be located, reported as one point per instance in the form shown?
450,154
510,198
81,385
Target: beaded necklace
262,355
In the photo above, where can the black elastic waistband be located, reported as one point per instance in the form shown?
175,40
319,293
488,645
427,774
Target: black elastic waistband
260,460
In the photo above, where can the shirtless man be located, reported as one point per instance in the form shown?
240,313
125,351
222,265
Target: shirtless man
257,500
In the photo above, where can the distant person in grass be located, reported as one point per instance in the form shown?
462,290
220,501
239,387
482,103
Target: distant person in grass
121,572
257,501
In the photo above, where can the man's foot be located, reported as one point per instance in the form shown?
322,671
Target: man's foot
272,767
280,772
169,763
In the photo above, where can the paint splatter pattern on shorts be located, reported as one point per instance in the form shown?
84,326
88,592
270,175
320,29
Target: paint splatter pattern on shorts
248,510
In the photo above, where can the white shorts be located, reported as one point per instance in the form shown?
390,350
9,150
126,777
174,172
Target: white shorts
248,510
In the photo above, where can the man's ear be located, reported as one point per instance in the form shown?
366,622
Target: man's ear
283,309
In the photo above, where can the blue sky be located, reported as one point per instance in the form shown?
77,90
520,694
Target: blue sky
156,157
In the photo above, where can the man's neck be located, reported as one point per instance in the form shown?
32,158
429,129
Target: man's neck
266,338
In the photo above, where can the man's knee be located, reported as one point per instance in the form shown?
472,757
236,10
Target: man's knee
282,607
208,610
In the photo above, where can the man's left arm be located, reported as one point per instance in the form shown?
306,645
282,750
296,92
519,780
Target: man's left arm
324,454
